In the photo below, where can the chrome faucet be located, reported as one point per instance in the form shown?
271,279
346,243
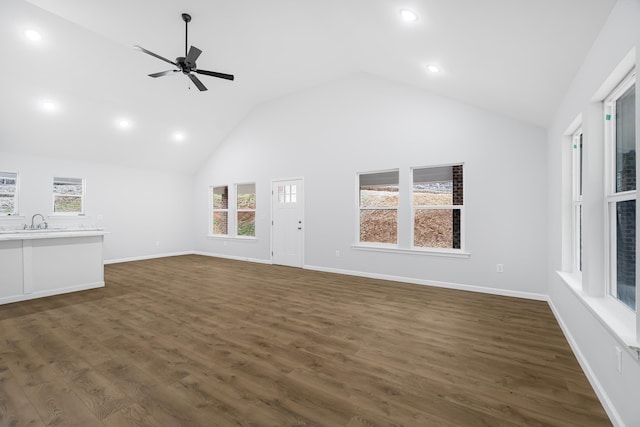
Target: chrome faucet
33,227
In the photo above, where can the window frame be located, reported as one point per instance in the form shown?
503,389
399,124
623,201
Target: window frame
213,210
58,178
359,209
16,196
611,196
288,194
591,288
238,211
577,186
404,215
232,212
451,207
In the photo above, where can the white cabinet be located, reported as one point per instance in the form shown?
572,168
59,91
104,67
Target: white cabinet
49,263
11,270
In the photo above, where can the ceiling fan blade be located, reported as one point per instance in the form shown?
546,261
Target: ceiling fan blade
148,52
163,73
215,74
193,55
197,82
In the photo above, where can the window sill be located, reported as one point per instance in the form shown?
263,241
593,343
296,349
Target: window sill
233,238
619,321
452,253
11,217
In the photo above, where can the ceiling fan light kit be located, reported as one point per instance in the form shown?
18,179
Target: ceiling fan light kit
187,63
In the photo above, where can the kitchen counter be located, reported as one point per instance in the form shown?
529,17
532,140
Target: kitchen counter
39,263
51,233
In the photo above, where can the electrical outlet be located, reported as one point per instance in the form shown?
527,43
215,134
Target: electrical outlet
337,253
157,243
99,217
499,268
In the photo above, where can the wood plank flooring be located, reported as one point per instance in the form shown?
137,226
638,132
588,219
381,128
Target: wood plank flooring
199,341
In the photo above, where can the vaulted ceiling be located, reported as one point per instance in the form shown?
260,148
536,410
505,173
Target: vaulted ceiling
513,57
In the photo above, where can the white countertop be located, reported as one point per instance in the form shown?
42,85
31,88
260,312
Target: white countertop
50,233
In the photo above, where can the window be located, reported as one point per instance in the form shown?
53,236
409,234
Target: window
287,194
233,210
431,221
246,209
220,210
576,198
437,200
8,193
378,203
68,196
620,197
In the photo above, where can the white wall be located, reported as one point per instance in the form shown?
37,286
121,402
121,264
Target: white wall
363,123
146,212
593,343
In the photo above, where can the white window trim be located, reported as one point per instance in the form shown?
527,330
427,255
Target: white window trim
411,249
612,197
232,214
623,324
610,132
461,208
82,200
212,210
225,238
431,208
443,252
620,323
359,208
237,211
576,199
289,194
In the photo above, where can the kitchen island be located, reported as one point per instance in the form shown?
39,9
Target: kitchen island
39,263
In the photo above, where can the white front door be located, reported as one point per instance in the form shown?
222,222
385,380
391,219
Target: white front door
287,223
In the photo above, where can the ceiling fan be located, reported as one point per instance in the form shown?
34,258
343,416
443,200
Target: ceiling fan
186,63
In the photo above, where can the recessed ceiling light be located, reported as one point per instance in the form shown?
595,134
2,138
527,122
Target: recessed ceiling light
33,35
408,15
124,123
433,69
179,136
49,106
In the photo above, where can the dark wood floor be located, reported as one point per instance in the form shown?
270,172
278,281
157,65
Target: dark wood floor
198,341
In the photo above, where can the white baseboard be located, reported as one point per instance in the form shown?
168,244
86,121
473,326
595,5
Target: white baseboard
141,258
237,258
448,285
606,402
51,292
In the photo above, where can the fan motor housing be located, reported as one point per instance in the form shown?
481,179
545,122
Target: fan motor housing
185,67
